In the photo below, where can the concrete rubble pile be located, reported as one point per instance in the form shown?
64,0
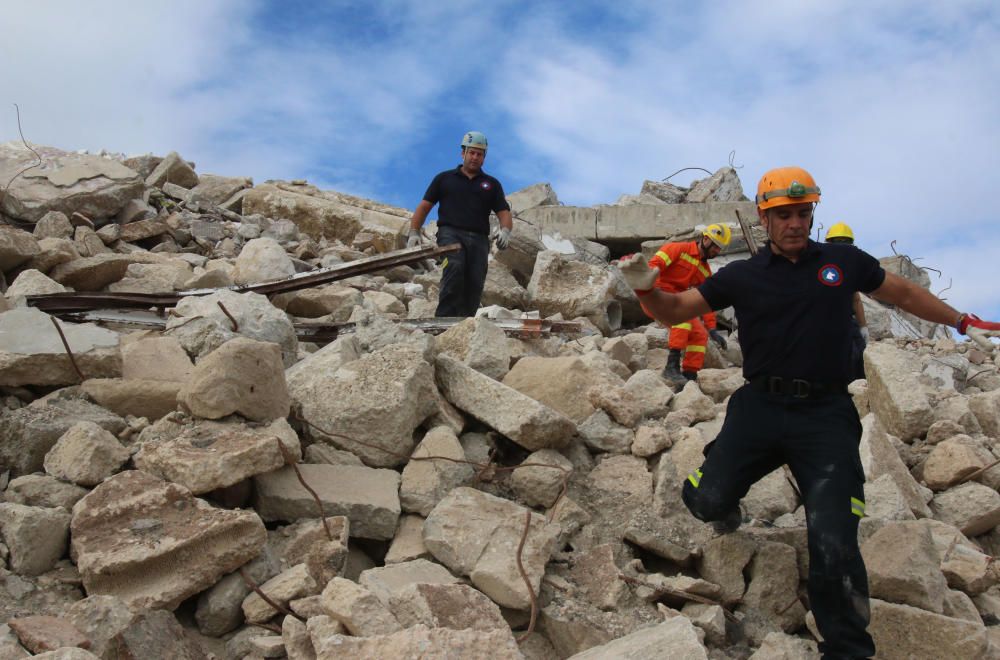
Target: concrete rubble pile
220,489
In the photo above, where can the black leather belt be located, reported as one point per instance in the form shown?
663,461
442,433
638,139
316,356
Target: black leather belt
797,388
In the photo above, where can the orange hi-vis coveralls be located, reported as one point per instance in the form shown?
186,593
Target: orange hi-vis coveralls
681,268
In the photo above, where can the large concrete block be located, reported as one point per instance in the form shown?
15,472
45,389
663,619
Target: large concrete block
519,417
476,534
368,497
203,456
894,391
153,544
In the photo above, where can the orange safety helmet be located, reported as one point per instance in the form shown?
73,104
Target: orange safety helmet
786,185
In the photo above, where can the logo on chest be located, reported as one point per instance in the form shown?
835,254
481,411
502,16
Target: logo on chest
831,275
485,185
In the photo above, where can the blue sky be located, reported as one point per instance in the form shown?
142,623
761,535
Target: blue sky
892,105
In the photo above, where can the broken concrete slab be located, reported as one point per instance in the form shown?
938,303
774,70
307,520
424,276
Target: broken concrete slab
479,344
242,376
93,273
32,351
476,534
524,420
151,399
36,537
573,288
203,323
561,383
894,391
675,639
43,490
903,566
290,584
172,169
385,582
204,456
175,545
95,186
372,404
971,507
30,432
424,482
368,497
361,612
420,640
85,455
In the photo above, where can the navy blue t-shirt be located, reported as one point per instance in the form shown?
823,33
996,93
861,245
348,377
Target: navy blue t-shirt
466,203
795,318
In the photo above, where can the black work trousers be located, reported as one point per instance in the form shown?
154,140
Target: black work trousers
818,439
464,272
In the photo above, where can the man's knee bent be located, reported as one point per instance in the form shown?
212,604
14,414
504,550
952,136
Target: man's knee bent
704,502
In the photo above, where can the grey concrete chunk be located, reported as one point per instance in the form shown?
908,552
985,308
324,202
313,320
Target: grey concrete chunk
368,497
522,419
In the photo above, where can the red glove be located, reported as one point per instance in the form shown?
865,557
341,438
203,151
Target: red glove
966,321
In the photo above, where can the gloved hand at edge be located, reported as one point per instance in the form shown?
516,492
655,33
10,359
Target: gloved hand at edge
637,273
978,330
503,238
718,339
413,239
864,333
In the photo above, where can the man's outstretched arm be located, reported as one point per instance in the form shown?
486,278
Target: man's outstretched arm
916,300
667,308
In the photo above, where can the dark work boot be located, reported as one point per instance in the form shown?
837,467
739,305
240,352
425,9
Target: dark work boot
730,523
690,375
672,370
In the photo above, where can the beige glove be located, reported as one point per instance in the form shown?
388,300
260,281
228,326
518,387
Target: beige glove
413,240
982,337
637,273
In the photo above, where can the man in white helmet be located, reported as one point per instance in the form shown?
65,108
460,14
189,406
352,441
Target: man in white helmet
466,196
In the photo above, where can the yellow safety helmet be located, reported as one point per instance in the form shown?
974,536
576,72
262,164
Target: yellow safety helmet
718,234
784,186
840,233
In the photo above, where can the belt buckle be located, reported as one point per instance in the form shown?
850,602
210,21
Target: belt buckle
775,385
800,388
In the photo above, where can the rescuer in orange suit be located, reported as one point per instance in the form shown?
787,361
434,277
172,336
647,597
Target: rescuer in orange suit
682,266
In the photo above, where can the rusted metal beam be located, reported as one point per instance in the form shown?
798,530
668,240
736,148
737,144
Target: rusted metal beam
323,333
83,301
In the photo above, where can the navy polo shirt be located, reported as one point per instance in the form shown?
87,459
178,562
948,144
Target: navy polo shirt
466,203
795,318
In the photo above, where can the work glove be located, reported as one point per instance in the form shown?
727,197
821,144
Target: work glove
503,239
637,273
718,339
413,240
978,330
864,333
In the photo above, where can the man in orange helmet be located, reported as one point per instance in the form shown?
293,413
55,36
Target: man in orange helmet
793,305
682,266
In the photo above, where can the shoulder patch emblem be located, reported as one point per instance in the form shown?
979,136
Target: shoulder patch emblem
831,275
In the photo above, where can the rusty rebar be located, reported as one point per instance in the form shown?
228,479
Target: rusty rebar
527,581
236,326
291,460
267,599
72,359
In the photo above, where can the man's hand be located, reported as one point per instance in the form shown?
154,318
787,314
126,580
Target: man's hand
638,274
413,240
503,239
718,339
978,330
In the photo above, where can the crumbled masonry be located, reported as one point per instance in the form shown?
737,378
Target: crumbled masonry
220,484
